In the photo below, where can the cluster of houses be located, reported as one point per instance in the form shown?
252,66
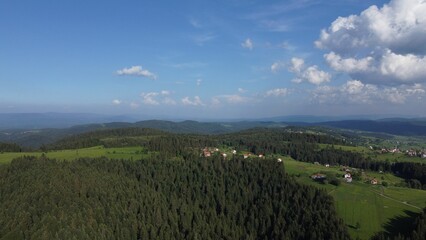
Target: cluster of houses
416,153
347,177
209,151
390,150
410,152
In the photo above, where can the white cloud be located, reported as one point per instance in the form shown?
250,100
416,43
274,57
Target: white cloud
235,98
165,92
350,65
196,102
277,92
136,71
116,102
296,64
356,92
247,44
149,98
406,68
241,90
277,66
231,99
311,74
381,45
154,98
198,82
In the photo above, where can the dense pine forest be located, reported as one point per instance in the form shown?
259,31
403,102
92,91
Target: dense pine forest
161,199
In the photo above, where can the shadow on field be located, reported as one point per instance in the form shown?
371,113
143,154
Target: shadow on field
400,225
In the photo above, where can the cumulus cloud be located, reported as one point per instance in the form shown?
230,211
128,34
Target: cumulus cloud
195,102
116,102
247,44
354,91
277,92
154,98
136,71
149,98
381,45
311,74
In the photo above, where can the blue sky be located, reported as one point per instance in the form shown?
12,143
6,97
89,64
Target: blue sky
213,59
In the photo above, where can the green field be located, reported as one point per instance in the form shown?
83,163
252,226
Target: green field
113,153
362,203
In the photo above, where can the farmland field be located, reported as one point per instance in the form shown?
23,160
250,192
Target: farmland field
99,151
363,203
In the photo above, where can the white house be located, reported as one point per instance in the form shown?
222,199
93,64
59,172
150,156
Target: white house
279,160
348,177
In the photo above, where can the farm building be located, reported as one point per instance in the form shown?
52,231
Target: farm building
318,176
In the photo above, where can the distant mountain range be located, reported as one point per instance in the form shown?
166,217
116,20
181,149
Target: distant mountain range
33,130
56,120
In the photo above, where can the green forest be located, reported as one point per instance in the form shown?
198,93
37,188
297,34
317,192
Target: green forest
159,199
141,183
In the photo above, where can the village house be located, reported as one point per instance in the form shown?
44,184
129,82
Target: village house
327,165
234,151
411,153
246,155
374,181
348,177
279,160
395,150
318,176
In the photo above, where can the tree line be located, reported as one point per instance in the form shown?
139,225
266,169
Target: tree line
301,146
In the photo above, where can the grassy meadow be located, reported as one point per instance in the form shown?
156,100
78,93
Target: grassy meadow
99,151
372,207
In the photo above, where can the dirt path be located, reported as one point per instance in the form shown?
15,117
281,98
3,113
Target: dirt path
393,199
